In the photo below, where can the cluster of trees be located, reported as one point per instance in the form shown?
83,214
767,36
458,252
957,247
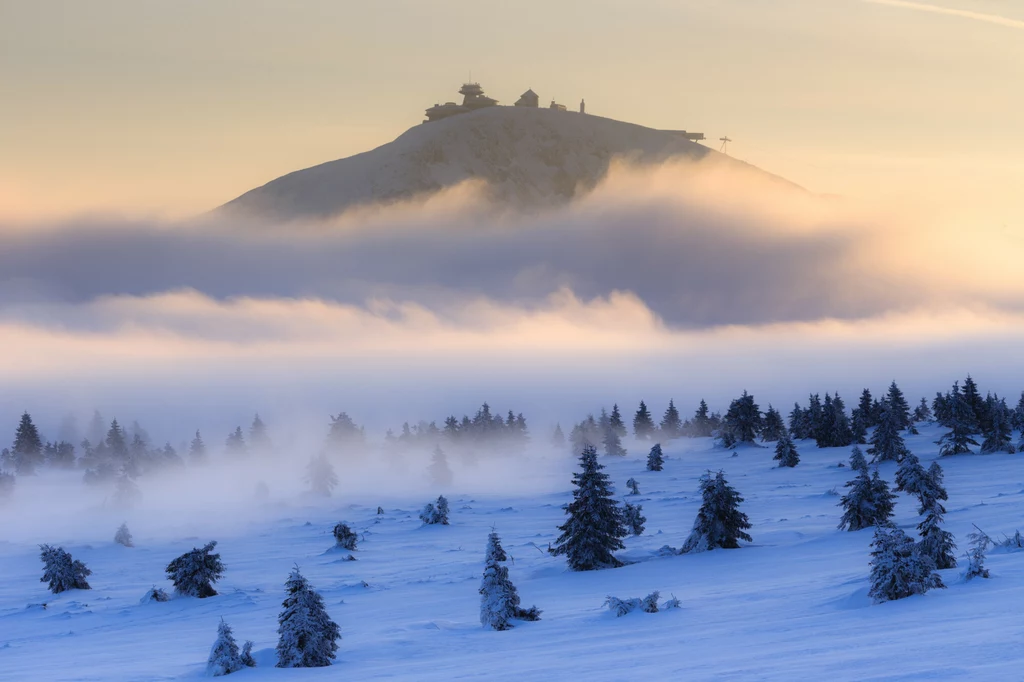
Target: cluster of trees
483,428
968,416
608,430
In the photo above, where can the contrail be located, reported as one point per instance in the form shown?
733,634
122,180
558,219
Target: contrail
966,14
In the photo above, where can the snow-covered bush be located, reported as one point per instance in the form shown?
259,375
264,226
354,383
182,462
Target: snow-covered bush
898,569
499,599
633,517
719,521
194,572
247,660
61,571
435,513
594,528
224,656
634,487
621,607
655,459
345,537
155,594
672,603
307,635
123,536
869,502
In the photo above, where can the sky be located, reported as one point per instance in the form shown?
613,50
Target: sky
122,119
172,108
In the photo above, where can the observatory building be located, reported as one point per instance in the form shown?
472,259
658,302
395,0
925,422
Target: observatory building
473,98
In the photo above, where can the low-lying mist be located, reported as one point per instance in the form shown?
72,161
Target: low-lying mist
686,281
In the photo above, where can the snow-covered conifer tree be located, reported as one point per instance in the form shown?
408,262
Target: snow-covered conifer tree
320,475
307,635
224,656
743,421
594,528
123,536
632,516
235,446
887,444
612,442
259,439
435,513
923,413
774,426
27,451
719,521
643,423
868,503
702,421
558,438
615,422
796,423
634,487
61,571
898,569
962,423
936,543
898,406
785,452
247,660
126,490
197,450
976,556
655,459
440,472
345,537
910,475
857,460
999,429
194,572
671,424
499,599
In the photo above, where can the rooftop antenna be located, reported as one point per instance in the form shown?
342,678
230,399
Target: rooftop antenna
725,144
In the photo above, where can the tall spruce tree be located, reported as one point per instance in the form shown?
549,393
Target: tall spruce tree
936,543
785,452
743,421
911,477
898,569
865,409
259,439
962,424
999,428
774,426
655,459
719,522
307,637
27,451
701,421
923,413
643,424
898,406
320,476
813,416
612,442
499,599
197,450
594,528
972,396
834,430
887,444
797,422
671,423
615,422
558,437
440,472
235,446
857,460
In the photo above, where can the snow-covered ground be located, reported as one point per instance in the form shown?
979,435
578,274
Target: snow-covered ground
790,606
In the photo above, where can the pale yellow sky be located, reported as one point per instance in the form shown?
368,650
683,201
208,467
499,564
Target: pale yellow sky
175,106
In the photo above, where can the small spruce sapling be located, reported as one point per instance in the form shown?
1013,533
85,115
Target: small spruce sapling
655,458
785,451
61,571
632,515
307,637
224,655
499,599
976,556
719,521
123,536
247,660
436,513
344,536
193,573
898,569
634,487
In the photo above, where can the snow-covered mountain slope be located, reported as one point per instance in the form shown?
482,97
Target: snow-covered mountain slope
529,157
790,606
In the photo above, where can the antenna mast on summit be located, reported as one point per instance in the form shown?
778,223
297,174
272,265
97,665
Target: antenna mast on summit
725,144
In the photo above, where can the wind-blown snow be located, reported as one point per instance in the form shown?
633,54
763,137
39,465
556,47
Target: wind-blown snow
527,157
791,606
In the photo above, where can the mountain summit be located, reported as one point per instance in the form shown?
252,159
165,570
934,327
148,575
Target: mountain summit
528,156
